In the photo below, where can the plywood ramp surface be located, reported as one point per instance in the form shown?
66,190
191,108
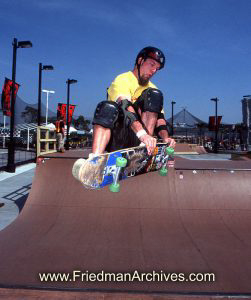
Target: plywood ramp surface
187,222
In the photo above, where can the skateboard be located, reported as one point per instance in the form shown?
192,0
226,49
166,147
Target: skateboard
111,168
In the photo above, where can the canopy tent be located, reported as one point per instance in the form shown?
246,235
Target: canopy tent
71,129
50,125
185,119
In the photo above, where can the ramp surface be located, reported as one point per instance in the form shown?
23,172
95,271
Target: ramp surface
192,221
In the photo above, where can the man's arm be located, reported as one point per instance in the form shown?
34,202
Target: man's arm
138,129
163,133
62,128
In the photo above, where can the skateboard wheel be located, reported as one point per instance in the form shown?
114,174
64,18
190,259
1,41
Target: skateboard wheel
115,188
163,172
169,150
121,162
77,166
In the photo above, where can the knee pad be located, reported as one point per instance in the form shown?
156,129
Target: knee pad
106,114
151,100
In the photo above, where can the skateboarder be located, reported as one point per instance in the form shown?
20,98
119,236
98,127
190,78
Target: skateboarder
133,113
134,110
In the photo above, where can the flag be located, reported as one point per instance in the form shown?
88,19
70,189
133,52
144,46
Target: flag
212,123
62,111
6,96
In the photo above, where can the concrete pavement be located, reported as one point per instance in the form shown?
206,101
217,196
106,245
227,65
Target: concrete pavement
14,190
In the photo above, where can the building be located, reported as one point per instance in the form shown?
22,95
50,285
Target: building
246,117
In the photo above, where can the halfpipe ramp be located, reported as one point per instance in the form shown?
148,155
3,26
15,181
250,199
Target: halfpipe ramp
195,220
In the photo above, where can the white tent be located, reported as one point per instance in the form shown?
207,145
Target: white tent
84,132
71,129
50,125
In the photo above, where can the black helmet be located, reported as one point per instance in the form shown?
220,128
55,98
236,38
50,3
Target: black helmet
154,53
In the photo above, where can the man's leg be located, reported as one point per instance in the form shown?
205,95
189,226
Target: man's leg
148,106
105,117
61,142
104,121
101,138
58,141
149,119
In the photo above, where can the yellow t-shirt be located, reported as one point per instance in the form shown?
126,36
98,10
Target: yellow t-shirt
127,86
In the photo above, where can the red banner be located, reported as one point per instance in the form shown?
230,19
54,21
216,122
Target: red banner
62,111
6,96
212,123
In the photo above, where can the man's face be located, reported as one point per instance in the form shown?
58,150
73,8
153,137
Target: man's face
148,68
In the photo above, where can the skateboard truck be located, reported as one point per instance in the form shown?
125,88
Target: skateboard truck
120,163
163,171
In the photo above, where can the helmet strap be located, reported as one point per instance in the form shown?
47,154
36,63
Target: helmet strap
138,67
138,71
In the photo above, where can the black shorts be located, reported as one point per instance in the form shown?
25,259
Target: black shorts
122,136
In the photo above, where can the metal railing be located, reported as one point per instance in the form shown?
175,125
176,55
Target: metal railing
21,157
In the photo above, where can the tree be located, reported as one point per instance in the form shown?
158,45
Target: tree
82,123
52,119
30,114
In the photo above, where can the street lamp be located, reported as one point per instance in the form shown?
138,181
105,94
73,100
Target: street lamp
11,147
47,98
173,102
216,125
41,68
69,82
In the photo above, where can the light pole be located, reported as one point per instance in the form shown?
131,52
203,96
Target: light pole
173,102
40,69
4,122
47,98
216,125
68,82
11,147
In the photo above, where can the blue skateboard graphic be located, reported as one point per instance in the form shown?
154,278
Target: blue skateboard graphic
111,168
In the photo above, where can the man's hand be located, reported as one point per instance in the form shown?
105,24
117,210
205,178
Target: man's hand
150,143
170,141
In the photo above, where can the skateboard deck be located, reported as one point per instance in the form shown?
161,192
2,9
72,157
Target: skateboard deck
110,168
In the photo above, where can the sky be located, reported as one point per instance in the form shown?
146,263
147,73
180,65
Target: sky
207,44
